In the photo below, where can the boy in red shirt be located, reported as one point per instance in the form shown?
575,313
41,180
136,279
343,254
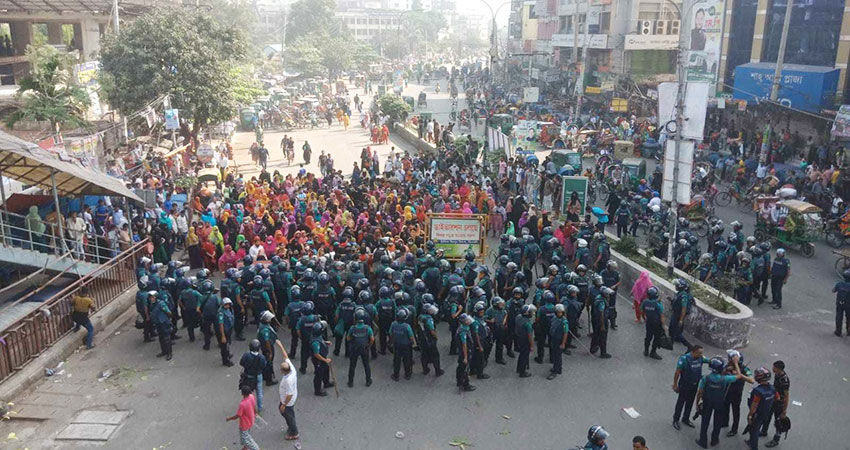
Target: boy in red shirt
246,413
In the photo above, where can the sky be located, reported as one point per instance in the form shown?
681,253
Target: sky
477,7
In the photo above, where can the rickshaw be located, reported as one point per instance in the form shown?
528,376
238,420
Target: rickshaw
207,176
623,149
699,213
563,158
789,222
423,100
636,169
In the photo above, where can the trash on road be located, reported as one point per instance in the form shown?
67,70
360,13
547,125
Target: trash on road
399,435
106,374
460,442
631,412
506,417
796,403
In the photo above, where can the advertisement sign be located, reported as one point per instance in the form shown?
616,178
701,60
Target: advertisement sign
205,153
686,162
86,73
705,39
458,234
651,41
841,126
172,119
810,88
568,40
570,185
696,101
530,95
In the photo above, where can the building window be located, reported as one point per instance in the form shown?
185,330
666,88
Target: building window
813,34
604,22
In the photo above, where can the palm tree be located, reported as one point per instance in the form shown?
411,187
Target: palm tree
47,94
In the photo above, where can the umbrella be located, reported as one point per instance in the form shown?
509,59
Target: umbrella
600,214
531,159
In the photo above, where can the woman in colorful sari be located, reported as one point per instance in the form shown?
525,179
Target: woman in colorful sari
228,259
193,247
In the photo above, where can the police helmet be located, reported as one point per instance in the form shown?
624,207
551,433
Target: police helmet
504,260
612,265
247,260
581,268
512,266
266,316
547,230
456,291
407,275
765,246
360,314
554,242
476,292
652,292
607,291
680,284
846,275
479,306
364,296
519,278
385,259
596,433
444,265
430,245
553,269
780,252
275,260
254,345
309,306
308,275
683,242
203,274
265,273
736,225
385,292
207,286
693,240
258,280
556,259
395,265
295,292
597,280
420,252
756,251
430,309
465,319
317,329
582,243
548,297
498,301
504,239
419,285
762,375
526,310
720,244
354,266
398,296
655,208
230,273
348,292
362,284
751,241
573,289
540,282
427,298
517,291
226,301
716,364
559,308
401,314
469,256
324,278
143,282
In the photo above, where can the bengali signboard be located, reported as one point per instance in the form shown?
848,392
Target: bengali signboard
705,40
570,185
458,234
841,126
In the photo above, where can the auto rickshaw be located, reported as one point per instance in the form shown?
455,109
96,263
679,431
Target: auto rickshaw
408,100
636,169
423,100
624,149
207,176
562,158
793,223
699,213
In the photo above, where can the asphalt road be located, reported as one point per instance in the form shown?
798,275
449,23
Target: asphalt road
182,404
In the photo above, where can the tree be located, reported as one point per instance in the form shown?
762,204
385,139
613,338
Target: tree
429,23
322,54
303,56
187,53
47,94
394,106
308,17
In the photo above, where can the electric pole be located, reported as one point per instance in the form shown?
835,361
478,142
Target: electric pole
777,75
583,72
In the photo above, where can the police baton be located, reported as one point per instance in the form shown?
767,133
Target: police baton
333,378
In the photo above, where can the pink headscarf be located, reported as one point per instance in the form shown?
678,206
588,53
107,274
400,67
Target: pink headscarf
642,284
466,208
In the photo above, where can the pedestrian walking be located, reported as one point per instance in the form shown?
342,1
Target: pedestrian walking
288,391
245,414
81,304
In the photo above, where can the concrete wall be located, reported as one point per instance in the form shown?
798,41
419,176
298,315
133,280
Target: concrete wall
412,138
710,326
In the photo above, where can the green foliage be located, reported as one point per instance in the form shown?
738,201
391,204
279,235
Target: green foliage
246,88
428,23
189,53
47,93
303,56
327,55
626,246
308,17
395,107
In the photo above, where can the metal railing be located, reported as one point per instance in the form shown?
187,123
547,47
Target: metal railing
15,231
31,335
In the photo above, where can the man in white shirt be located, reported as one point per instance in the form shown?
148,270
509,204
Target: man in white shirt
76,229
288,394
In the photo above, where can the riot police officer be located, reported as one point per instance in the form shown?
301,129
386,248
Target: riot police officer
524,336
402,341
681,307
762,399
428,339
685,384
598,316
210,303
544,317
711,396
596,438
495,317
294,310
611,278
780,271
305,327
359,337
842,303
321,363
653,310
386,312
231,289
464,341
260,300
559,329
253,364
223,330
344,318
480,341
160,316
190,303
268,340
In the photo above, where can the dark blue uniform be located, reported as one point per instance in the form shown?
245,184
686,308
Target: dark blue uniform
842,305
691,373
780,269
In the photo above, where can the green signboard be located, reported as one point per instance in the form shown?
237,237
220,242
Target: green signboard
570,185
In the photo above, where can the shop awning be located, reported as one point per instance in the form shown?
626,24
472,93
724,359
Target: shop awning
30,164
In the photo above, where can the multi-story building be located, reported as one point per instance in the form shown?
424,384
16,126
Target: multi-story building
365,24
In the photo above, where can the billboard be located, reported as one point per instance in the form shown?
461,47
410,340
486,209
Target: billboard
841,126
705,38
809,88
686,162
458,234
696,101
570,185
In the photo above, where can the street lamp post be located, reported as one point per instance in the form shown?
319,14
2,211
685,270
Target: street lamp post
494,49
398,28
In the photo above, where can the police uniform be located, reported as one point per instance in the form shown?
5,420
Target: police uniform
293,313
345,320
267,337
780,269
143,309
358,337
305,330
495,319
765,396
683,301
321,375
732,404
210,303
599,339
430,354
480,337
610,278
224,318
713,387
464,340
232,290
260,301
522,329
653,310
691,373
386,312
160,316
402,341
544,318
558,328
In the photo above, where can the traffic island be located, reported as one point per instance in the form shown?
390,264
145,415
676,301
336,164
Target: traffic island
412,138
716,319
